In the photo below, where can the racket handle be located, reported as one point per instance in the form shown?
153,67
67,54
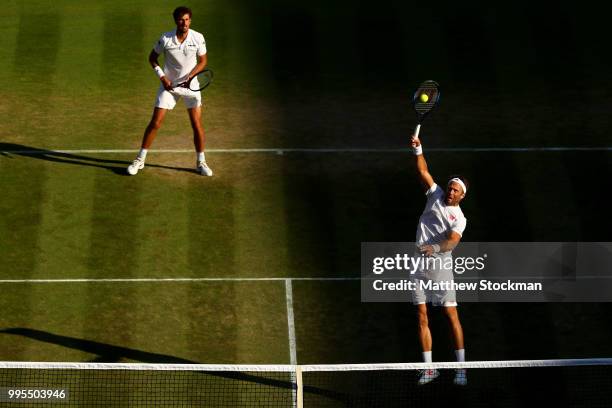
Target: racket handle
417,130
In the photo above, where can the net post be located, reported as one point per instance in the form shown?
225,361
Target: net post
300,387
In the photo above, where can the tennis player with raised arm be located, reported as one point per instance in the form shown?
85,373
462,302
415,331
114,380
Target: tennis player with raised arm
185,55
440,228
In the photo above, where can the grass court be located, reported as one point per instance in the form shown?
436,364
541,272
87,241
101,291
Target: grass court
288,75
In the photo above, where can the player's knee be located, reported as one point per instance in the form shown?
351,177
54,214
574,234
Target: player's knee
451,314
155,124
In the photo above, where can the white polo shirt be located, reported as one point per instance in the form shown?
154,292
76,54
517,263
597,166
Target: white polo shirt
180,59
438,218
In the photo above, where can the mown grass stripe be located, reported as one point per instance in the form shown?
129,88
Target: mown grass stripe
137,280
280,150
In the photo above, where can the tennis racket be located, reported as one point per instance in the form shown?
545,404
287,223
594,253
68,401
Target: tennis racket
425,98
199,81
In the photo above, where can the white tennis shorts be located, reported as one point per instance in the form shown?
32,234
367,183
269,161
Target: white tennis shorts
168,99
440,297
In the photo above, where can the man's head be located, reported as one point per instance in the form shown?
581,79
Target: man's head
182,18
456,188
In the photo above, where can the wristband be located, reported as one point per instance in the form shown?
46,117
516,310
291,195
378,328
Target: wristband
417,150
159,71
436,248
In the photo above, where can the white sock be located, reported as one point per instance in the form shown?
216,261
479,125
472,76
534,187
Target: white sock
460,354
200,157
143,154
427,356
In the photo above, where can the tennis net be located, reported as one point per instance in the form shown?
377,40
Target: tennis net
513,383
524,383
146,385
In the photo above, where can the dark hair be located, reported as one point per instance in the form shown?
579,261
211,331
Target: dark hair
180,12
463,179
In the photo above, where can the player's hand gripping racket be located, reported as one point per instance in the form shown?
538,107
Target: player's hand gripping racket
426,97
199,81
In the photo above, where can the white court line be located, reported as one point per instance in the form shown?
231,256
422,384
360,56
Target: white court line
324,150
313,279
128,280
292,342
290,322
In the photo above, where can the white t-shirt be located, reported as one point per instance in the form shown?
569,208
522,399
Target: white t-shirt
180,58
438,218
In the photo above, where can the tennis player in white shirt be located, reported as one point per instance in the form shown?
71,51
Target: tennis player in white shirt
440,229
185,55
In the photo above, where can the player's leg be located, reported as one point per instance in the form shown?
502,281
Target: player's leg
457,335
164,101
195,117
424,333
149,135
154,124
455,326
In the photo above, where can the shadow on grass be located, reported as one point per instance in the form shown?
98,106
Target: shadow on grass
107,353
8,149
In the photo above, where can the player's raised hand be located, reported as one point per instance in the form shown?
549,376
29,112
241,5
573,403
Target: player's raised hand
415,141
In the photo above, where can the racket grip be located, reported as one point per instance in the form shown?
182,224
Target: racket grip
417,130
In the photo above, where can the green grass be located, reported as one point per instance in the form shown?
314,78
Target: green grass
261,216
287,74
156,322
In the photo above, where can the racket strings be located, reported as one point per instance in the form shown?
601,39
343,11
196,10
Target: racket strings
204,78
423,107
430,89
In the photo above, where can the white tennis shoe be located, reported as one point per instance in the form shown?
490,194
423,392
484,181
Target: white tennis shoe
136,165
203,169
427,376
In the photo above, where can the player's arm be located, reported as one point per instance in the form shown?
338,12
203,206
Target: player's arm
422,170
202,62
451,241
155,65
